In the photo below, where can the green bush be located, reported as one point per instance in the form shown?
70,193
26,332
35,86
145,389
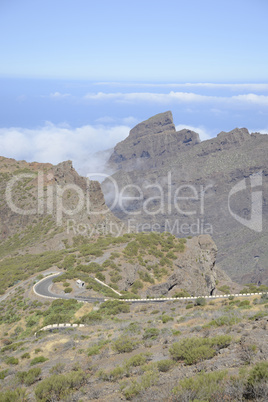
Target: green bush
29,377
69,261
230,319
114,307
164,365
60,311
137,360
201,387
100,276
3,374
258,373
38,359
25,355
11,360
90,318
93,350
193,350
125,344
136,286
182,293
166,318
200,301
59,386
68,290
225,289
151,333
18,395
145,277
116,373
189,305
57,369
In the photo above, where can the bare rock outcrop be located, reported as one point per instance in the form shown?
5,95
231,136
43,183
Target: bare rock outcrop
195,270
151,140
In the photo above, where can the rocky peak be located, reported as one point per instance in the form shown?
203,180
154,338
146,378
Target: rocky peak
149,143
160,123
238,135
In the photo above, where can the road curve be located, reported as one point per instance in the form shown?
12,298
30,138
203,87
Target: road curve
41,288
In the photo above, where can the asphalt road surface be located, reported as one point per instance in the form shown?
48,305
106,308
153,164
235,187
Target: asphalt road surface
41,288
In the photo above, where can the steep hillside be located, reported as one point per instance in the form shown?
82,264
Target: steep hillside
173,351
188,187
42,205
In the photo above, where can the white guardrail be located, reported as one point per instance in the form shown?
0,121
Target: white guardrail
153,299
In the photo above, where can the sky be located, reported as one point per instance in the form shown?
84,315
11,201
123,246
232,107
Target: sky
76,76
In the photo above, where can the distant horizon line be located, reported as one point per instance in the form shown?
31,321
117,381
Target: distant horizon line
186,83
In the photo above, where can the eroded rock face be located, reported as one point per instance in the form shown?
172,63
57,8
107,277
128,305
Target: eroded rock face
150,141
195,270
159,161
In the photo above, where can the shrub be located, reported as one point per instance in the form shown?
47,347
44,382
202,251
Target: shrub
258,373
151,333
193,350
38,359
137,360
11,360
124,344
164,365
136,286
61,310
257,382
244,304
200,301
202,387
116,373
93,350
166,318
225,289
18,395
182,293
113,307
100,276
57,369
68,290
224,320
25,355
3,374
29,377
91,317
59,386
145,277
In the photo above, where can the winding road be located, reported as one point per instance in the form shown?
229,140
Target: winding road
42,288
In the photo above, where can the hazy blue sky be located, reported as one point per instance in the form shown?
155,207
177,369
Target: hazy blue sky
193,40
75,76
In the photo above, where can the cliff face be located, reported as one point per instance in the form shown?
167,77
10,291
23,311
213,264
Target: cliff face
188,187
195,270
151,142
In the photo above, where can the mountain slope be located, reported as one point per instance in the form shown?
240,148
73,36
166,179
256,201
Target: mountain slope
158,167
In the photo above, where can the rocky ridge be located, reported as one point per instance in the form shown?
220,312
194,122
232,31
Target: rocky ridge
155,161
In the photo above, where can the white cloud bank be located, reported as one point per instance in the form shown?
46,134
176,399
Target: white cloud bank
179,97
259,87
55,144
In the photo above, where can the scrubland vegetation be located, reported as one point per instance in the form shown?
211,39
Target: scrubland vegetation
214,351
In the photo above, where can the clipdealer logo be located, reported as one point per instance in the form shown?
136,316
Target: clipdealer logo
255,221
